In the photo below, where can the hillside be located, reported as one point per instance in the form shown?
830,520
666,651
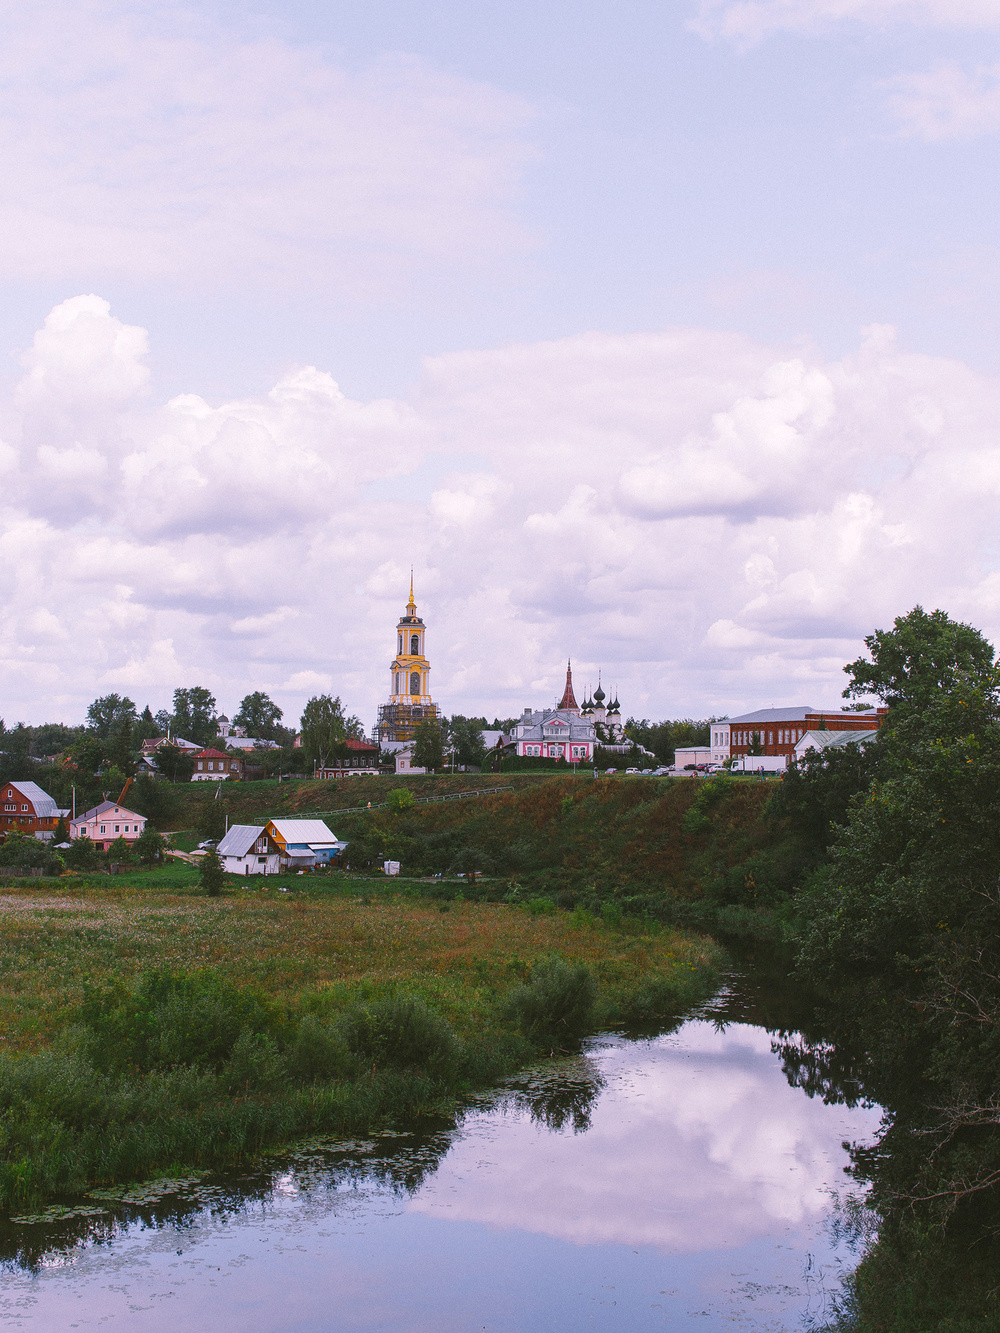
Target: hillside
659,844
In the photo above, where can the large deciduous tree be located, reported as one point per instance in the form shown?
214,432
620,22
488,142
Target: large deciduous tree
260,715
325,729
428,747
194,716
923,657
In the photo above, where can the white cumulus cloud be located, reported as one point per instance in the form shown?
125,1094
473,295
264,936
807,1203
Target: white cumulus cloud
712,523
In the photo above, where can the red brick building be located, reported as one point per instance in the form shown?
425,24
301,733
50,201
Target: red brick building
26,809
779,729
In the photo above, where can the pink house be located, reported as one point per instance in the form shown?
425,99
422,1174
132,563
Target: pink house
106,822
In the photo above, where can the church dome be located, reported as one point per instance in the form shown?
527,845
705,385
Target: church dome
599,695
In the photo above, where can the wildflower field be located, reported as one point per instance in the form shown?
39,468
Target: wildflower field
150,1029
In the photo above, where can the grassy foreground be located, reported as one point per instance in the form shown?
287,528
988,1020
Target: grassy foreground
152,1031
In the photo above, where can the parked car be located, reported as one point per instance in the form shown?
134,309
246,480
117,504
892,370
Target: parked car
631,770
609,771
661,772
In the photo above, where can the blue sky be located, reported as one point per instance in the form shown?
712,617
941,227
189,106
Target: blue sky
538,248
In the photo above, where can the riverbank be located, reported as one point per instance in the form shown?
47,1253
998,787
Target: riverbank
154,1032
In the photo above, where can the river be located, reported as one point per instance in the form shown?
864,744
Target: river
675,1182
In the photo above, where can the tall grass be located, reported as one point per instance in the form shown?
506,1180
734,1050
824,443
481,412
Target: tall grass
153,1034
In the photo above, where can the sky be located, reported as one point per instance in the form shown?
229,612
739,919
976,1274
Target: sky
659,336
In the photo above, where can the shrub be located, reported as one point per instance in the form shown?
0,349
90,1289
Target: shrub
540,906
211,875
318,1051
400,798
31,853
558,1001
83,855
170,1019
401,1031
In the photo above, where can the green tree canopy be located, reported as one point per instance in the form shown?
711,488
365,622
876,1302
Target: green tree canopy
194,717
428,747
174,763
111,714
325,728
923,657
466,737
260,715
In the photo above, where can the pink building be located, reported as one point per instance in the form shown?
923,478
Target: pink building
106,822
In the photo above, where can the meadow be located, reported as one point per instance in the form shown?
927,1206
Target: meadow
148,1029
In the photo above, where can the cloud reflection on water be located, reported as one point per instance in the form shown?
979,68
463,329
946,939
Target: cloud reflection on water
701,1145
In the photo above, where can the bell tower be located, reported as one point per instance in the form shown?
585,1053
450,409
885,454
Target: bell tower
410,700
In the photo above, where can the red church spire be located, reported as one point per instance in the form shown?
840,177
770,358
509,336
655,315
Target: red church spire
569,698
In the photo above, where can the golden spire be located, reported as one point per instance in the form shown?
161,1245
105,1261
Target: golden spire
411,604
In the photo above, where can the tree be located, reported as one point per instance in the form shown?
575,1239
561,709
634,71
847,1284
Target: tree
82,855
466,736
119,852
756,746
147,728
922,658
109,714
428,747
88,753
61,832
149,846
211,875
400,799
51,738
325,728
260,715
174,763
194,716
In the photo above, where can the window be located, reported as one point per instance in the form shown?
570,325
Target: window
24,809
103,829
400,648
415,682
199,765
211,765
414,645
118,828
11,806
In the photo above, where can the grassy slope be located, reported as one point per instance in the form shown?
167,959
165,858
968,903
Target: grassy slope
634,836
55,938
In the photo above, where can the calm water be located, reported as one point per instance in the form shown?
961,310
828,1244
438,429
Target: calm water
678,1182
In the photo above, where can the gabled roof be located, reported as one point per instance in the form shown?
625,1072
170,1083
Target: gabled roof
210,754
239,839
797,713
118,809
306,831
45,807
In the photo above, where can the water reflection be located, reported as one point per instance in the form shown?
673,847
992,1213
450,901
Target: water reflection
678,1179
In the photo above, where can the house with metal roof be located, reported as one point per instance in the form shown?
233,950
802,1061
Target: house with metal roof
103,824
28,810
247,850
777,731
303,843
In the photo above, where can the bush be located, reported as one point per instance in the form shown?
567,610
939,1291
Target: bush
83,855
211,875
558,1001
318,1051
400,798
402,1032
168,1020
30,853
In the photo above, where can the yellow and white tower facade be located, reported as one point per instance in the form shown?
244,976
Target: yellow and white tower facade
410,700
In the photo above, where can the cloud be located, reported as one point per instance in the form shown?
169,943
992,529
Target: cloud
154,146
750,20
712,522
946,102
